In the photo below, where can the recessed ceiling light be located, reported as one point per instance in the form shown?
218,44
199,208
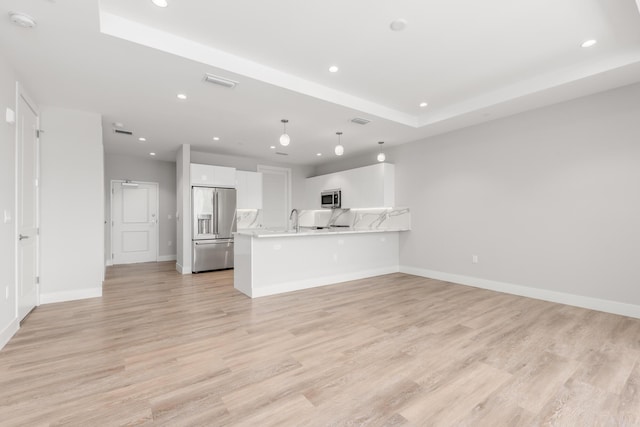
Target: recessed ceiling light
589,43
273,147
141,139
182,96
152,154
398,24
216,138
318,154
423,104
22,19
333,69
160,3
118,125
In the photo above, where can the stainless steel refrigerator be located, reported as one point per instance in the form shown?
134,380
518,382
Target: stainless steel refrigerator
214,221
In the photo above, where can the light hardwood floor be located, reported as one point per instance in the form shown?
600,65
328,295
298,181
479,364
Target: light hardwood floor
166,349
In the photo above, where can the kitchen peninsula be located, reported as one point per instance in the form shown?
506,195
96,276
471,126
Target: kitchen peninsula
270,262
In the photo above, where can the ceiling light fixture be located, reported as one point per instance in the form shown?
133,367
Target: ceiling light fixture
333,69
339,150
22,19
216,138
273,147
152,154
118,125
318,154
381,156
423,104
182,96
398,24
160,3
589,43
284,138
142,139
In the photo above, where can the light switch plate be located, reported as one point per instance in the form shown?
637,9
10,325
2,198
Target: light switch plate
10,116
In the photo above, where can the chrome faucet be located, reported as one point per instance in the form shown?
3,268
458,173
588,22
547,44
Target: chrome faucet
296,222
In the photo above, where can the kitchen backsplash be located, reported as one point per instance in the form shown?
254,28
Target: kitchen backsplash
249,218
359,219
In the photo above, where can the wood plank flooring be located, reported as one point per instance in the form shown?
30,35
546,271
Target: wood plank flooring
397,350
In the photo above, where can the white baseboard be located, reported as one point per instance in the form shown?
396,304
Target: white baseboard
182,270
163,258
607,306
9,332
70,295
298,285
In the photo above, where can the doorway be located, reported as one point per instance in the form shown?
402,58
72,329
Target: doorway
134,222
27,207
276,196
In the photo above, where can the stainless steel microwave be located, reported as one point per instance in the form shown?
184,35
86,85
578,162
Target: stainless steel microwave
331,199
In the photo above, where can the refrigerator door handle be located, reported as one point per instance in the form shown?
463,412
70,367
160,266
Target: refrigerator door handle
216,209
212,242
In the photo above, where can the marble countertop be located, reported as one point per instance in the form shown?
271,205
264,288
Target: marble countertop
312,232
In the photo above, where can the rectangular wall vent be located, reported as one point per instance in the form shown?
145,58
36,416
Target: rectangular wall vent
360,121
123,132
221,81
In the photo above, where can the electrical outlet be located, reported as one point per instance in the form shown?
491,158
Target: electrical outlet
6,292
474,259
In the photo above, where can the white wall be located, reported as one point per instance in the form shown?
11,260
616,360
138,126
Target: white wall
549,200
72,205
183,209
8,320
118,167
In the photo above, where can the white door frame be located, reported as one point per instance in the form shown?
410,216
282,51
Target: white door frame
22,93
120,181
287,173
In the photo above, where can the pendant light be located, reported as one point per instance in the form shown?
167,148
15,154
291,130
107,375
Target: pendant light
339,150
381,156
284,138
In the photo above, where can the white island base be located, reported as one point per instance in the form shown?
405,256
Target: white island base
272,263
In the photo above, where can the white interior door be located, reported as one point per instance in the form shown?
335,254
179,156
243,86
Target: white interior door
276,196
27,208
134,220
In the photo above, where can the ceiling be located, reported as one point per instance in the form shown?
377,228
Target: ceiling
470,61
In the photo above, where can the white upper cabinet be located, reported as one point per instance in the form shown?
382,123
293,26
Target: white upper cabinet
249,190
367,187
213,176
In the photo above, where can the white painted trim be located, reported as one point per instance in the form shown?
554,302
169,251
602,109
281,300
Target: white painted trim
70,295
163,258
9,332
297,285
607,306
182,270
108,263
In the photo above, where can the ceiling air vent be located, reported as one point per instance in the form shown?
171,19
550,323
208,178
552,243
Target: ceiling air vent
123,132
281,154
360,121
221,81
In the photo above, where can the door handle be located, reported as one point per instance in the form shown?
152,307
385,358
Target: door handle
22,237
